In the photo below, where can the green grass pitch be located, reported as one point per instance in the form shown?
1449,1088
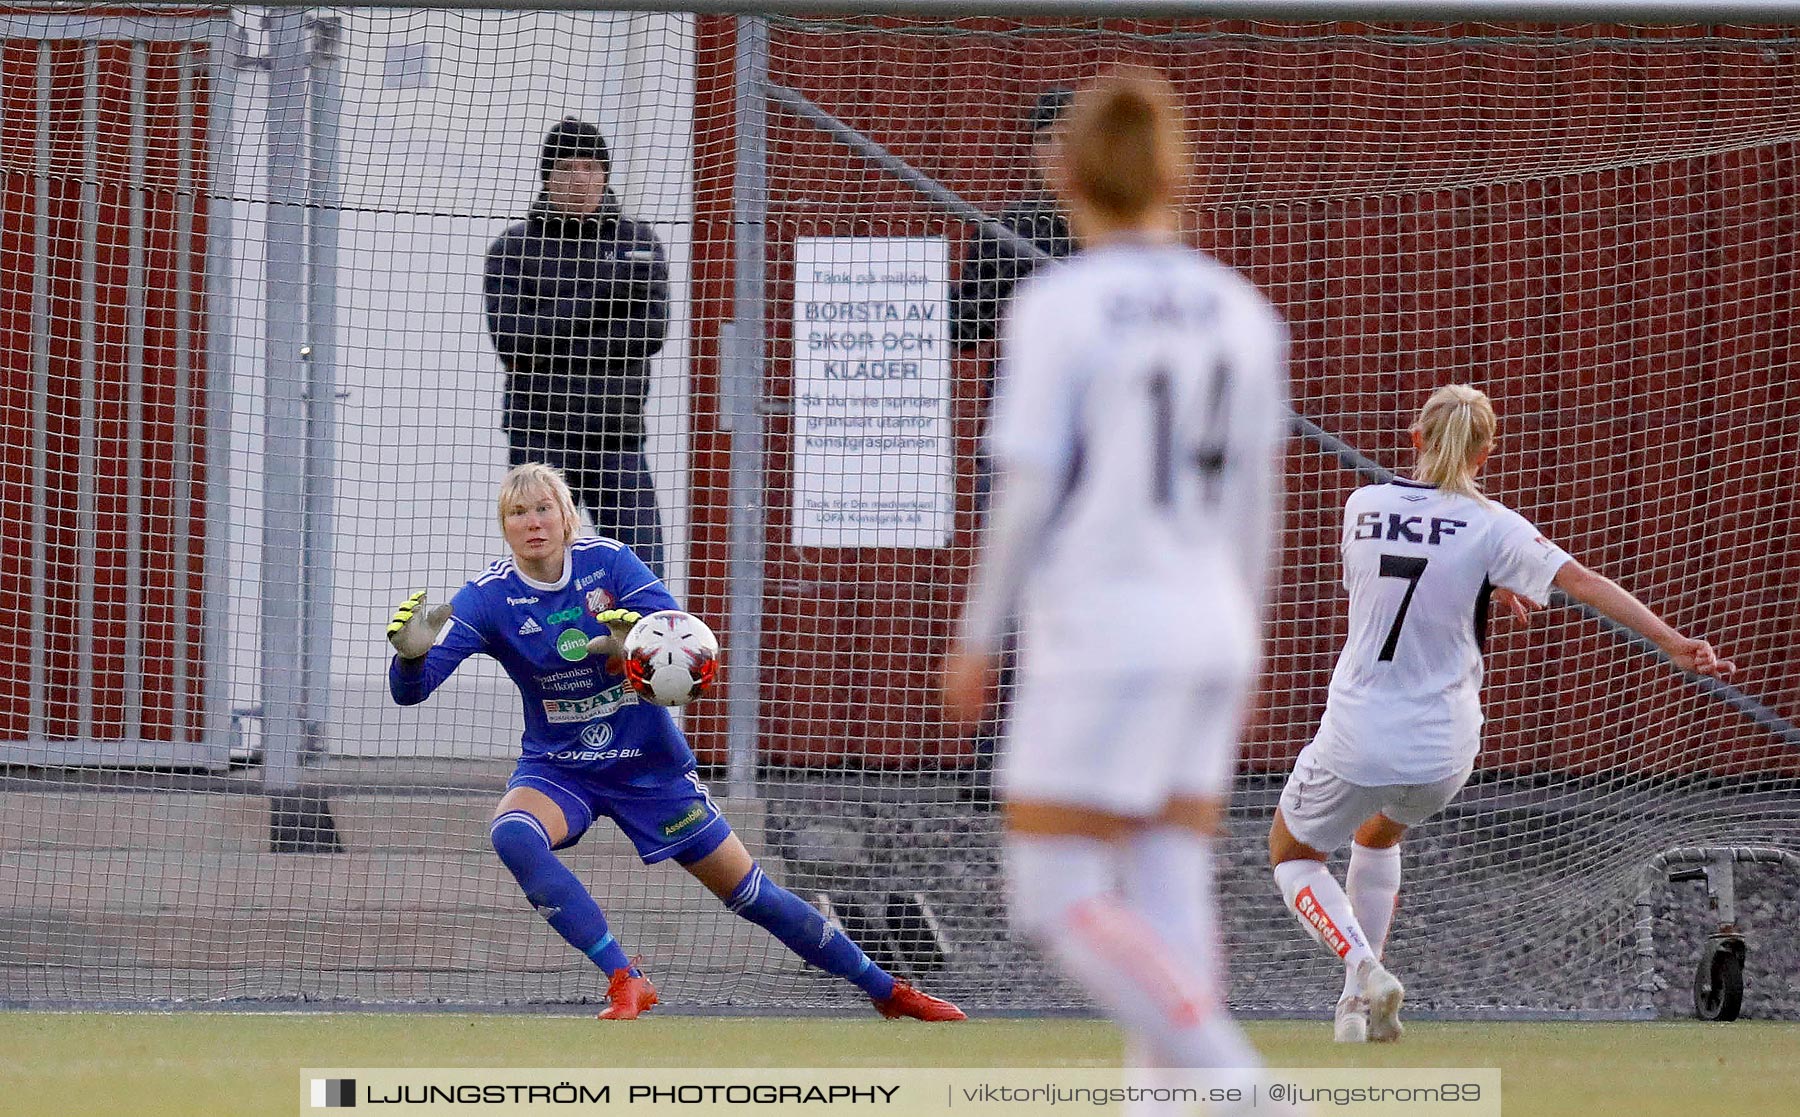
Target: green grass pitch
152,1065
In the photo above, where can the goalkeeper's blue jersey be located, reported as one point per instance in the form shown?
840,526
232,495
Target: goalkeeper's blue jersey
579,711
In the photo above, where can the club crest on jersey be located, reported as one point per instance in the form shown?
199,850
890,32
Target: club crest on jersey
598,600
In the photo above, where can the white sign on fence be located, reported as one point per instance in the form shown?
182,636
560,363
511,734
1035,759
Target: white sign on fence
873,457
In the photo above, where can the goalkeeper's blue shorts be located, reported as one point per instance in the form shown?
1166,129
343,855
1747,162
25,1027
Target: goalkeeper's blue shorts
675,818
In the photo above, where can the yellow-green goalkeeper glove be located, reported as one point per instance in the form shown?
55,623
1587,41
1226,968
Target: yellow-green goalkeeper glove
415,628
618,624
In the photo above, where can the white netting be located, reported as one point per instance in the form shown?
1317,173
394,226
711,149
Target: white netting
1592,224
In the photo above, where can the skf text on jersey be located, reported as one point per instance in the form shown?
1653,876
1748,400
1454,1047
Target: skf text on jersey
1398,528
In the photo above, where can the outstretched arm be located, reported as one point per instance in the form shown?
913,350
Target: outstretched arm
1616,603
1025,501
420,664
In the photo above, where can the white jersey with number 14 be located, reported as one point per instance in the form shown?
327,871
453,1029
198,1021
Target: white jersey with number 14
1151,381
1405,700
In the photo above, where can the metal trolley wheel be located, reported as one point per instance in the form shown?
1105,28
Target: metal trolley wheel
1719,979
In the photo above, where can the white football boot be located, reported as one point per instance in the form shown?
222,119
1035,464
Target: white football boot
1384,994
1352,1023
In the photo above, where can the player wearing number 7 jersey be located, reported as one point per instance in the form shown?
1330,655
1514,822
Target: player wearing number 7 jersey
1422,560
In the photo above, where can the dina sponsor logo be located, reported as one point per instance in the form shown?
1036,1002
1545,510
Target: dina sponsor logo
572,645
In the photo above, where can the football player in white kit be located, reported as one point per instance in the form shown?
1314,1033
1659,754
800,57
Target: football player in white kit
1140,416
1422,558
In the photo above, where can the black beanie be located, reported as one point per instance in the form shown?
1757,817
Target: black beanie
573,139
1048,108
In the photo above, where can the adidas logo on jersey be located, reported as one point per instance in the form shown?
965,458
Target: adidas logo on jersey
530,626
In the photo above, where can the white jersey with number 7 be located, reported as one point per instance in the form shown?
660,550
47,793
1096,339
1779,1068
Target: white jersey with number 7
1420,565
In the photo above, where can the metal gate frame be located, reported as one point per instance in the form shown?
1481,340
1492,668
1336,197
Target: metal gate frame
210,748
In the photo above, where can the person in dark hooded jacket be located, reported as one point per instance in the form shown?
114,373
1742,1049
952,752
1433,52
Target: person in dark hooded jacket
991,267
577,303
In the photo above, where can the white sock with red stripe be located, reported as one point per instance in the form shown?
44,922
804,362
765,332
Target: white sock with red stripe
1373,885
1065,900
1169,877
1320,905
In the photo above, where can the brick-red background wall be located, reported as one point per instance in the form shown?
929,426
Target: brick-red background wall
1594,226
166,429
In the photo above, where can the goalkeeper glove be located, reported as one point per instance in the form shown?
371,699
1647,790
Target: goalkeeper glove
415,628
618,624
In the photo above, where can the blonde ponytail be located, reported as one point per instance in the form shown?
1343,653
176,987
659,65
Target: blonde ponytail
1456,424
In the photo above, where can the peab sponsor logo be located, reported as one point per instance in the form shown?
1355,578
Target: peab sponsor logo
569,711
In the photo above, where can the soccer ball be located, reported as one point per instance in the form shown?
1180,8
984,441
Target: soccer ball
671,658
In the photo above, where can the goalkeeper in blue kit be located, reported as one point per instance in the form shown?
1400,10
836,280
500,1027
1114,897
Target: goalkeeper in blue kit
554,615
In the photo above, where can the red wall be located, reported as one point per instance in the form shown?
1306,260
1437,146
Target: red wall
1588,226
170,431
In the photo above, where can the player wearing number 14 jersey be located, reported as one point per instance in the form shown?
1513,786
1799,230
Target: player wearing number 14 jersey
1140,415
1422,560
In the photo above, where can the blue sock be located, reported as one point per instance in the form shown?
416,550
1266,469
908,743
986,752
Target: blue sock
524,848
804,931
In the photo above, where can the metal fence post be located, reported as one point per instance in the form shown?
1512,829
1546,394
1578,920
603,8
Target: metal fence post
284,414
743,372
220,307
324,192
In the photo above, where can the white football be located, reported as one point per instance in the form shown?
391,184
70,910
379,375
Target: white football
671,658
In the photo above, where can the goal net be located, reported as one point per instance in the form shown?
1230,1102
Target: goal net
257,392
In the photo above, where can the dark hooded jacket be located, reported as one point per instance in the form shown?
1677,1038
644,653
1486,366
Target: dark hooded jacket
576,307
992,268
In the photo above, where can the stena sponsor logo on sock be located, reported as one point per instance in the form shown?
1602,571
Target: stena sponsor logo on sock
1308,907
